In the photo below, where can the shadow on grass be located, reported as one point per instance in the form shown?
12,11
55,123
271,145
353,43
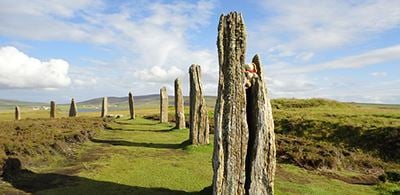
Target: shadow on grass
132,122
141,144
31,182
139,130
108,127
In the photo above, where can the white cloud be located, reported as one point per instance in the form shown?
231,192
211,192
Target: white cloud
84,83
64,9
368,58
17,70
48,20
305,56
291,86
151,43
378,74
159,74
152,38
308,24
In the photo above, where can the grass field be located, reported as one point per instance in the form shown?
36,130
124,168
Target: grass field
145,157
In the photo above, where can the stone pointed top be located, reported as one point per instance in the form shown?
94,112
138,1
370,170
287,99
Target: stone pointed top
194,66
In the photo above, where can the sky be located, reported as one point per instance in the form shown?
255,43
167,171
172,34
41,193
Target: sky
347,50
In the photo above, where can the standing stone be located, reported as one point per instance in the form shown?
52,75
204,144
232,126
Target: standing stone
179,105
73,110
199,128
17,113
131,108
163,105
52,109
244,139
104,107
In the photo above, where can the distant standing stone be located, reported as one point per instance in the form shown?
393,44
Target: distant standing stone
163,105
73,110
17,113
104,107
179,105
131,108
199,128
52,109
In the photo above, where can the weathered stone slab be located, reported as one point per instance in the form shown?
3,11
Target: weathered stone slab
52,109
131,106
163,105
17,113
198,120
244,140
73,109
104,107
179,105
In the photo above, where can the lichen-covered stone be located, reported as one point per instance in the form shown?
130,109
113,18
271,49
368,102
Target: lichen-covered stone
131,108
104,107
17,113
52,109
244,140
73,110
163,105
261,152
179,105
198,120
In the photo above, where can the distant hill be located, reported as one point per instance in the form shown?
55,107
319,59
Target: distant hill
16,102
144,100
121,100
10,104
152,101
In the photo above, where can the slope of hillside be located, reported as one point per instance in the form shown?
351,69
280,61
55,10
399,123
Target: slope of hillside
144,101
10,104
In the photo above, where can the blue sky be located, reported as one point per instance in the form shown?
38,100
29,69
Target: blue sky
55,50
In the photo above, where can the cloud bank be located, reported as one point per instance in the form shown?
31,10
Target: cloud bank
17,70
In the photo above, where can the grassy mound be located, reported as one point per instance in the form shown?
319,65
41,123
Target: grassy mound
32,138
286,103
374,130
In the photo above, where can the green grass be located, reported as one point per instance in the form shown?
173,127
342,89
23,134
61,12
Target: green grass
147,157
292,180
144,154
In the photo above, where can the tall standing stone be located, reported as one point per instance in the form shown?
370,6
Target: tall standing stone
244,140
199,128
104,107
17,113
52,109
131,108
179,105
163,105
73,110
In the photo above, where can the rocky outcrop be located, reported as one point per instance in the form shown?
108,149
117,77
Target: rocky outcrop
179,106
198,120
163,105
244,140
